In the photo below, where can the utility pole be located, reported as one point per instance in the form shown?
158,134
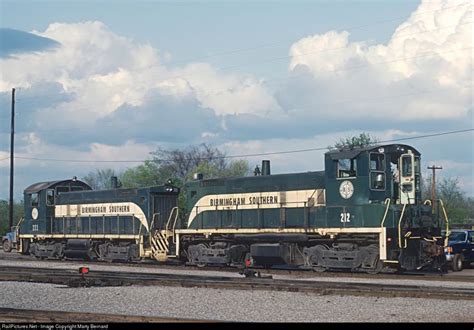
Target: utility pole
433,183
10,213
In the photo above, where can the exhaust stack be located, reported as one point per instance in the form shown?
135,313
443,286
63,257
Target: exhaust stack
265,167
114,182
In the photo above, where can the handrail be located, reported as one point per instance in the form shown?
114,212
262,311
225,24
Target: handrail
387,202
151,228
447,222
399,227
427,202
17,227
169,218
174,221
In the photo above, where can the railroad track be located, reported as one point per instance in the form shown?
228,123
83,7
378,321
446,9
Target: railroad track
29,316
274,271
109,278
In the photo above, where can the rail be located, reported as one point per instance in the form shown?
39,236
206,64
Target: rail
72,278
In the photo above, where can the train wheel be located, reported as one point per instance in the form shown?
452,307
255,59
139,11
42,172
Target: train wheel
319,269
7,246
377,268
316,258
458,263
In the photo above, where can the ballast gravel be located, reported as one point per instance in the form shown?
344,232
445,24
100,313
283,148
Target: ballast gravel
210,272
231,305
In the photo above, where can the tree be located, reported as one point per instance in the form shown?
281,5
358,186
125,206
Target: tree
147,174
179,165
458,207
456,203
18,213
351,142
100,179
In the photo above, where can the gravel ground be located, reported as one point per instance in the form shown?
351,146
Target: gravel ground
97,266
232,305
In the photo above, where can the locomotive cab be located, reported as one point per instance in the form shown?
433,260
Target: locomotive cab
373,174
39,203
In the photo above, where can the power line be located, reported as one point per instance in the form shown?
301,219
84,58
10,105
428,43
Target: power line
244,155
372,100
108,124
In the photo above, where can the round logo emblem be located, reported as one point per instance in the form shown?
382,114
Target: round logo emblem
34,213
346,189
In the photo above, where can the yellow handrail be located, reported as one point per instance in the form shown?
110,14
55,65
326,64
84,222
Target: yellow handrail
427,202
174,221
387,202
447,223
170,217
399,227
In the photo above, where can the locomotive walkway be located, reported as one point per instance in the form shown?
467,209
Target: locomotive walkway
73,278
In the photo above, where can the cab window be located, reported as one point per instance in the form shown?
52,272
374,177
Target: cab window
346,168
50,197
407,166
34,199
377,162
61,189
377,171
377,180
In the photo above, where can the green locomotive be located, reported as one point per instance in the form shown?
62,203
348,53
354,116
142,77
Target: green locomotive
363,212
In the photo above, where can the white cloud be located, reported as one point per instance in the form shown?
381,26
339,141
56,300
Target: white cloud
104,71
430,55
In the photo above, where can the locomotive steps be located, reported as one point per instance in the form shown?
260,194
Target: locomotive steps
91,278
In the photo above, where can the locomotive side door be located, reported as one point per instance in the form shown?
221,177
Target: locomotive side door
406,165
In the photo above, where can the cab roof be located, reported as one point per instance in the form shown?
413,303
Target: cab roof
348,153
36,187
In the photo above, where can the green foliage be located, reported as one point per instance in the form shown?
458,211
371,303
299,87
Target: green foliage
100,179
209,170
454,200
459,207
351,142
18,213
145,175
179,165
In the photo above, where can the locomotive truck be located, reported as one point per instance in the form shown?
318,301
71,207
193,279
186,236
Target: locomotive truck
362,213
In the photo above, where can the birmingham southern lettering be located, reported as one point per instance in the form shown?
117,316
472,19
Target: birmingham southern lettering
252,200
103,209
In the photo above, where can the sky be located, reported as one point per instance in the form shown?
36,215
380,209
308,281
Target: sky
101,84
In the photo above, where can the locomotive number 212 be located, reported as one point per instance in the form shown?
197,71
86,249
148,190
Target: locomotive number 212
345,217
